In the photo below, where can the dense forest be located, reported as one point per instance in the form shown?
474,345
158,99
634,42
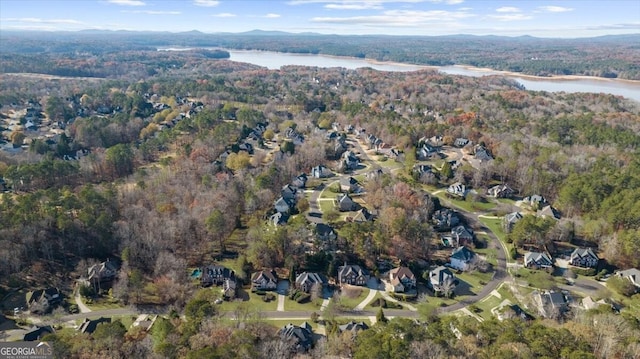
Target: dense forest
609,56
140,159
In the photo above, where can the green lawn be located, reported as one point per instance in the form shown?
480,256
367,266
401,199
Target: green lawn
292,305
475,278
487,305
495,226
537,278
326,206
255,302
351,303
102,303
434,303
489,253
467,205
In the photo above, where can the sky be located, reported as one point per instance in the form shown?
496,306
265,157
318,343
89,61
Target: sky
555,18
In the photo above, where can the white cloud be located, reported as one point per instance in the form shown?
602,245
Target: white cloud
272,16
454,2
224,14
127,2
508,9
35,20
355,6
511,17
206,3
555,9
363,3
152,12
401,18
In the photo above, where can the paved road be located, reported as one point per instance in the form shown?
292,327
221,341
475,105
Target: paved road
500,273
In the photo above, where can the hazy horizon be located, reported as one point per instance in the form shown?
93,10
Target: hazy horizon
545,19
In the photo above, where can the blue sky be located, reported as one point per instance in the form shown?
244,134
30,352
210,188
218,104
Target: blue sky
558,18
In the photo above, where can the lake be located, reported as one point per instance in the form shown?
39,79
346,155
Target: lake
275,60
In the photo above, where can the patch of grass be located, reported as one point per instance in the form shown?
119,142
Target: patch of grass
434,303
326,205
292,305
487,305
254,302
102,303
475,279
352,296
495,226
536,278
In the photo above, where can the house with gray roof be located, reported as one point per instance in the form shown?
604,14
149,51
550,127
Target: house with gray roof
537,260
510,220
632,274
441,280
584,257
462,258
352,274
344,203
306,281
300,337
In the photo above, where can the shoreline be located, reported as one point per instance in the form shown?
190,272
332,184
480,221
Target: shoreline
493,72
489,71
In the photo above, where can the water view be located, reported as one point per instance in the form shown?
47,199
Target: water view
275,60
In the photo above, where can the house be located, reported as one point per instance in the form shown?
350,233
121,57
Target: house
462,235
301,337
500,191
441,280
289,192
426,151
631,274
353,327
363,215
400,280
349,185
462,258
549,212
584,257
482,154
215,274
350,161
325,233
353,275
300,181
306,281
102,272
460,142
321,172
537,260
374,174
42,300
283,205
36,333
229,288
510,220
421,169
88,326
445,219
344,203
551,304
279,219
264,280
247,147
535,201
457,189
